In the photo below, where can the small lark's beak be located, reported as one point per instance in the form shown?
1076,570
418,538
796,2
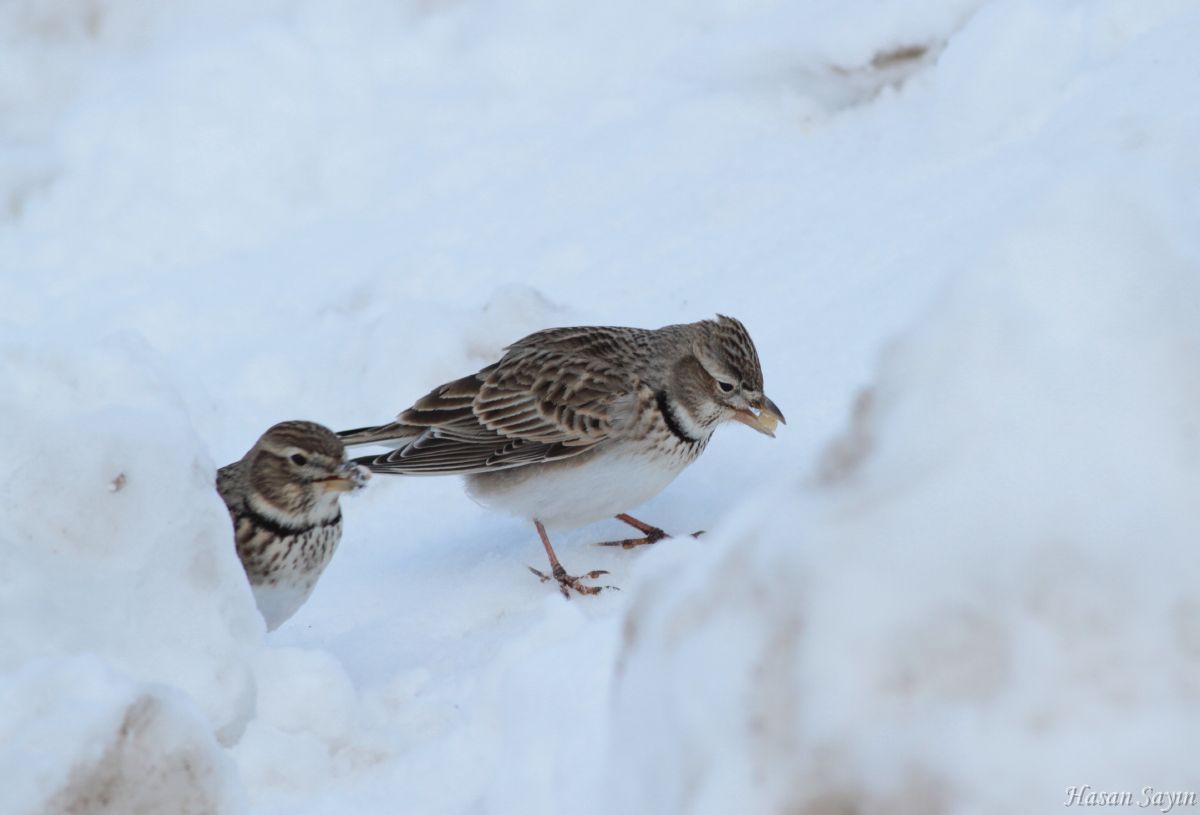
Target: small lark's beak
766,420
349,476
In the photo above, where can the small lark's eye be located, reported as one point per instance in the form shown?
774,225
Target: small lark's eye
725,386
299,460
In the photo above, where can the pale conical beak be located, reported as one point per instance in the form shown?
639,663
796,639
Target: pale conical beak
349,476
766,420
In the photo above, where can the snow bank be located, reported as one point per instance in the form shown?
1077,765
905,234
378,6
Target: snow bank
306,713
986,592
79,738
989,593
115,545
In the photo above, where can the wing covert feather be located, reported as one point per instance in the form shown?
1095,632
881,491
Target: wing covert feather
535,404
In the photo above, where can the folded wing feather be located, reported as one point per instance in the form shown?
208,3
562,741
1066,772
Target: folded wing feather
536,404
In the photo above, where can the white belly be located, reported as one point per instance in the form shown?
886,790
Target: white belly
572,492
279,602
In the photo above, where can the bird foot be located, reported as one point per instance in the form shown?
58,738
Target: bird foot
652,536
568,583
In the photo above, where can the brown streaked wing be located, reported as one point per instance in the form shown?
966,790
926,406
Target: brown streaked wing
550,397
534,405
446,403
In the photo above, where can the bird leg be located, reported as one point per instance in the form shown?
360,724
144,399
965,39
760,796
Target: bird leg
566,582
652,533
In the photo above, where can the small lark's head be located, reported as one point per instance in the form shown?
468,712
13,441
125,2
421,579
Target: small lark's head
726,377
297,466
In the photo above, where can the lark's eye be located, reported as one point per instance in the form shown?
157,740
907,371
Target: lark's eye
726,386
298,460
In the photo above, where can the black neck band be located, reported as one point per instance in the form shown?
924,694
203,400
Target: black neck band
281,529
673,423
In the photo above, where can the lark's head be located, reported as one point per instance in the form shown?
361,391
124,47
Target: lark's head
723,378
298,466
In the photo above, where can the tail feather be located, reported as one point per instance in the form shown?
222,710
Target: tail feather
382,434
380,463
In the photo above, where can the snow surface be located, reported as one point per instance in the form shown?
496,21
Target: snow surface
964,234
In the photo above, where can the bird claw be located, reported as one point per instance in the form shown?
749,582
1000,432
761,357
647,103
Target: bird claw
568,583
651,537
628,543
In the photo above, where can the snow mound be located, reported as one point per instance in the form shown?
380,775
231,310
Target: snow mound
990,592
85,740
306,710
115,542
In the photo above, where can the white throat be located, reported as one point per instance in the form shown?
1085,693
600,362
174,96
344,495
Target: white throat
324,508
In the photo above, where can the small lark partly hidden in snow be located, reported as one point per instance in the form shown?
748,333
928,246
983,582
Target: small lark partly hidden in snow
577,424
283,498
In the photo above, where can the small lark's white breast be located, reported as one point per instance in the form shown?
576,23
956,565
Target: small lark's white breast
283,569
